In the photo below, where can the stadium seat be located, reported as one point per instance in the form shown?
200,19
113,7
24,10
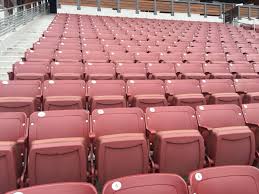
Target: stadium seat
243,70
216,58
142,57
220,91
95,57
106,94
224,130
45,55
189,71
217,71
68,56
20,96
194,57
64,94
100,71
58,139
119,135
178,145
121,57
13,137
67,72
65,188
248,89
171,57
184,93
151,183
163,71
225,179
146,93
127,71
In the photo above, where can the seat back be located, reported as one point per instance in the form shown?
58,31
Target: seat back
246,85
174,87
212,86
188,68
145,87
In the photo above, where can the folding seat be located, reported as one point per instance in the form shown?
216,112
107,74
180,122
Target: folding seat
243,70
127,71
189,71
153,183
134,48
67,72
178,145
171,57
216,58
69,46
65,188
248,89
106,94
184,93
58,139
119,135
146,93
105,36
142,57
20,96
45,55
193,57
217,71
90,41
196,49
110,42
147,43
224,130
95,57
139,37
92,47
71,34
250,112
121,57
163,71
128,42
232,50
220,91
120,36
225,179
88,35
252,58
44,45
68,55
52,33
100,71
236,58
114,48
13,137
157,49
248,51
64,94
30,71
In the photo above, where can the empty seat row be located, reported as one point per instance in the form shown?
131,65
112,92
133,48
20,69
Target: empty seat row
217,180
29,96
96,146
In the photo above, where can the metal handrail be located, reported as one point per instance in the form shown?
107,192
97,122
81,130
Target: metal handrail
16,16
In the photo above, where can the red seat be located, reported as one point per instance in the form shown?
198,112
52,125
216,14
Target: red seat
65,188
64,94
194,57
121,57
67,72
151,183
220,91
59,139
95,57
171,57
142,57
146,93
224,130
100,71
178,145
163,71
68,55
45,55
243,70
216,58
120,136
13,137
106,94
127,71
227,179
248,89
190,71
217,70
184,93
20,96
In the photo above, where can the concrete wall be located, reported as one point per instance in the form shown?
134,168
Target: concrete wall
72,9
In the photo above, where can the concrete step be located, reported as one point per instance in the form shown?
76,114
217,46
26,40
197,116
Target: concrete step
9,58
4,76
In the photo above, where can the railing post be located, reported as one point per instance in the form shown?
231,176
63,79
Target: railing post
172,7
78,4
154,7
249,13
98,5
221,10
137,6
238,12
189,9
205,10
118,6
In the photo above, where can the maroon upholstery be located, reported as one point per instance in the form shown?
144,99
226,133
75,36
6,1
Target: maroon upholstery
151,183
106,94
64,94
20,96
119,134
178,145
227,179
220,91
224,129
184,93
146,93
65,188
